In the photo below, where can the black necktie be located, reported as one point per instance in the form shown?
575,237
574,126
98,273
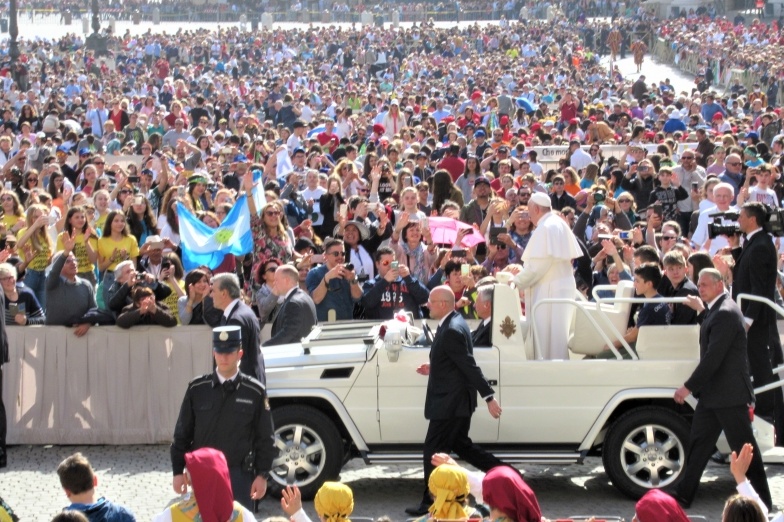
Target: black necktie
228,387
223,320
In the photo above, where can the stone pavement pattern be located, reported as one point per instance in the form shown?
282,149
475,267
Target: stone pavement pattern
139,477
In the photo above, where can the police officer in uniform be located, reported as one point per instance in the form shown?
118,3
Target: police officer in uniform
229,411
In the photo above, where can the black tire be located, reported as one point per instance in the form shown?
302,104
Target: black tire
311,450
655,454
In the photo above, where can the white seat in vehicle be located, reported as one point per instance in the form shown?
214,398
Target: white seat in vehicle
583,338
669,342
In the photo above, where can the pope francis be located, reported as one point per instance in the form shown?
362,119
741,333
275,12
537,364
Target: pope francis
547,274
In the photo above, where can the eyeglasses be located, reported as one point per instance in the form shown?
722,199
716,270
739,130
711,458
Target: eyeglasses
99,163
32,179
687,157
733,163
669,238
272,213
624,201
271,269
337,254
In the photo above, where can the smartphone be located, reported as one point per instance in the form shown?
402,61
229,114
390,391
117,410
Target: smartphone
605,236
625,235
695,185
138,200
13,308
393,265
343,210
317,258
458,253
465,269
133,179
158,154
494,233
22,307
180,192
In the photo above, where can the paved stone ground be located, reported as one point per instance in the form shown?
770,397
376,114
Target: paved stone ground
140,478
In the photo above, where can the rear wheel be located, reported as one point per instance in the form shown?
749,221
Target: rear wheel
310,450
645,449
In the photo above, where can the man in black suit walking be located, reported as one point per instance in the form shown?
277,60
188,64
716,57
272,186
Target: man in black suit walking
297,314
454,379
721,383
226,296
482,336
755,273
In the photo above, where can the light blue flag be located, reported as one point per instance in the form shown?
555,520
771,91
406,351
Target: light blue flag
202,245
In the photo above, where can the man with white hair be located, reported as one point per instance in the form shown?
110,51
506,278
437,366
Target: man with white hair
723,194
547,274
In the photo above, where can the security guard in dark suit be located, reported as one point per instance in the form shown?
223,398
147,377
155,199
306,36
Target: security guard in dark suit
229,411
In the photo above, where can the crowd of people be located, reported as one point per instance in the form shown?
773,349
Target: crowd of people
367,146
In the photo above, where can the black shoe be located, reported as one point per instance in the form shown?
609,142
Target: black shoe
417,511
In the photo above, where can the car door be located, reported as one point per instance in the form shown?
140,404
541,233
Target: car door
401,396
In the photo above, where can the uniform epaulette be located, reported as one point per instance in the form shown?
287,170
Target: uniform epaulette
207,377
253,382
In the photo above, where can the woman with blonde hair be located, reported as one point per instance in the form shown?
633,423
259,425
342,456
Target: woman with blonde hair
590,176
349,176
13,214
38,253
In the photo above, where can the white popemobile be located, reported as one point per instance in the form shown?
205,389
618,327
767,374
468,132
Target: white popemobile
350,390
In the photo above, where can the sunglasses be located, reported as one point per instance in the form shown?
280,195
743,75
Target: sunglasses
336,254
734,163
99,163
125,191
669,238
271,269
687,157
272,213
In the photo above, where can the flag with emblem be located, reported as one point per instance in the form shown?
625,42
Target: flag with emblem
202,245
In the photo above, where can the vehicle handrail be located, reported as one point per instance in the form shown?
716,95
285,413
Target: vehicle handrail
769,386
599,288
593,322
764,300
612,328
678,300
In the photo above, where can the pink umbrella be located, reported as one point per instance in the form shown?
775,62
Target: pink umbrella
443,230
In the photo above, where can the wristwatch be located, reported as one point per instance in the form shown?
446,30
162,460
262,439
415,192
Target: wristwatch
353,281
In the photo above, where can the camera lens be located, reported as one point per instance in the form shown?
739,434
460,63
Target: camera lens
349,266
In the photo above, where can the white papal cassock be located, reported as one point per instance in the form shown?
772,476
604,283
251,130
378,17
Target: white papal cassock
547,273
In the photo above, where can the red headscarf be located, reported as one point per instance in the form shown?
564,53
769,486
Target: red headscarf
658,506
211,484
504,489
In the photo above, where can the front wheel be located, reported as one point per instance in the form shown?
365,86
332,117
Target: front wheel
310,450
645,449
